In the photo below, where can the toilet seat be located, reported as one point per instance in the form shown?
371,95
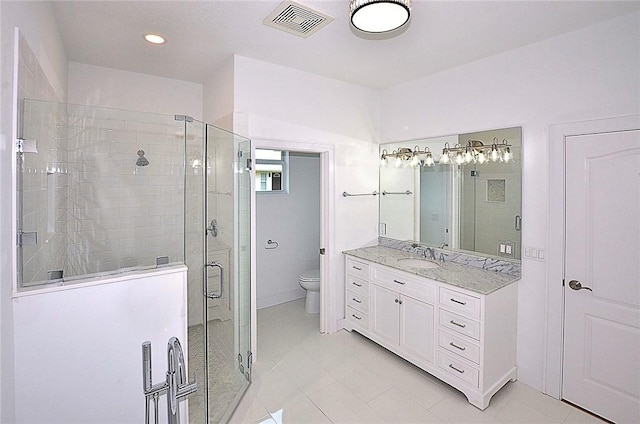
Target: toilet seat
310,276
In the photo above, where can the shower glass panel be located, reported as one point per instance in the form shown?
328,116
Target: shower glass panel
217,239
100,191
105,191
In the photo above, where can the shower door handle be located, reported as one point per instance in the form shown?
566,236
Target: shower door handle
212,295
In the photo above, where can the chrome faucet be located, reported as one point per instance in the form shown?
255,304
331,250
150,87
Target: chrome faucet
428,253
443,245
175,387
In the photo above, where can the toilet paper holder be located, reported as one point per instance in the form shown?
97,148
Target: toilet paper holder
271,244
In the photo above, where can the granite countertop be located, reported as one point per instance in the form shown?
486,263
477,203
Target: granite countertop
479,280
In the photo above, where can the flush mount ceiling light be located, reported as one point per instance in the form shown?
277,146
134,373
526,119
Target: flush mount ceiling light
154,38
378,16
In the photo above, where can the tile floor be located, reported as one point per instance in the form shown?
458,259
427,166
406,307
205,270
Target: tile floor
225,382
303,376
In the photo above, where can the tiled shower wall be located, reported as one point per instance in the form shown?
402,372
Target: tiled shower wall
41,186
122,215
109,213
194,222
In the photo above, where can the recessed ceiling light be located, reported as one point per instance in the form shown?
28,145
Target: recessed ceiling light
154,38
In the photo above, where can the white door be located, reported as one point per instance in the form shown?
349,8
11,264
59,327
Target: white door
601,366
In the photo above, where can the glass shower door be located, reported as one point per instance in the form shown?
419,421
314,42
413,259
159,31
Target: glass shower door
217,226
226,271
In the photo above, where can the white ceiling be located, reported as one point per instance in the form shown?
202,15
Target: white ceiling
202,35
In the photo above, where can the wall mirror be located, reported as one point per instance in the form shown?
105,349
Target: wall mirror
462,190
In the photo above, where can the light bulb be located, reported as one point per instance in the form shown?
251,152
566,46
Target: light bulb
398,162
481,158
506,156
414,161
445,158
468,157
383,161
459,158
495,154
429,159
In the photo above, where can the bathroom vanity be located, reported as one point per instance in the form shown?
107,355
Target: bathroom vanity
455,320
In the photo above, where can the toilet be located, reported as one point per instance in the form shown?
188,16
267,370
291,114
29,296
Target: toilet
310,281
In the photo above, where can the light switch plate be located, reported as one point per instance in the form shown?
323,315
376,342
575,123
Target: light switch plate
535,253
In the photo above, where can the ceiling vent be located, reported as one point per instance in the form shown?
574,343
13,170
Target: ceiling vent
297,19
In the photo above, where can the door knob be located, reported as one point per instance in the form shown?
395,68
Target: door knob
575,285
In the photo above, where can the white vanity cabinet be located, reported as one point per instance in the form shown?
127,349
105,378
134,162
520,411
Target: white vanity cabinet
464,338
402,320
357,294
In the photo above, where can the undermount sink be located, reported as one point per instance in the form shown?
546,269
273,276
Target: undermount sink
418,263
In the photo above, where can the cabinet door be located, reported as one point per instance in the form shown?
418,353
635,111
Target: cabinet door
385,316
417,328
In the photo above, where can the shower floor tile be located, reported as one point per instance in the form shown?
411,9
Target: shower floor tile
225,381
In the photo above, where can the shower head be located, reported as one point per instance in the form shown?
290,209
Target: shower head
142,161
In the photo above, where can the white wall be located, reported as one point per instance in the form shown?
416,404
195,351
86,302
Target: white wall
113,88
47,77
218,97
286,106
305,99
587,74
79,349
292,220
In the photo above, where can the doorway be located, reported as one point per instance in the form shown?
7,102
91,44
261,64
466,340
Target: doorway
593,322
326,158
287,225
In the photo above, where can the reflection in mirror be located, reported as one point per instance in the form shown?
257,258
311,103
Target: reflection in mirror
471,203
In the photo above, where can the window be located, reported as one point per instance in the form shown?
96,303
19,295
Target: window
272,171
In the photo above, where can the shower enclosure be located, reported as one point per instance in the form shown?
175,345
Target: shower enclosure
105,191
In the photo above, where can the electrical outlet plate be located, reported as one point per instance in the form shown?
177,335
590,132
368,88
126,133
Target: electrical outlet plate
506,249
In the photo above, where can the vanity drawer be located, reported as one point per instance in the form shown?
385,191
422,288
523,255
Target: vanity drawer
358,285
357,301
459,324
357,318
458,368
460,302
358,269
459,345
393,279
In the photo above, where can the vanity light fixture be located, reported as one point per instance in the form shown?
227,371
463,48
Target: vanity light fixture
377,16
154,38
405,157
474,151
